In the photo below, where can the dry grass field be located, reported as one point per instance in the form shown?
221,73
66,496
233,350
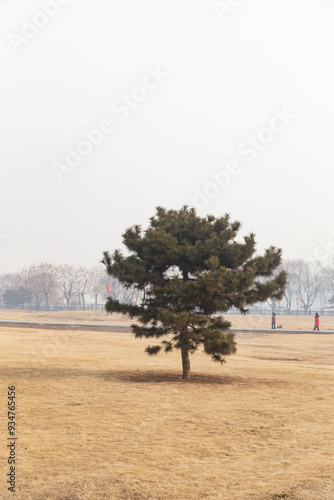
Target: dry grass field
99,419
63,316
293,322
238,321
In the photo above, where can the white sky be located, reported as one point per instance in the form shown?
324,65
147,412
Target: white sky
226,78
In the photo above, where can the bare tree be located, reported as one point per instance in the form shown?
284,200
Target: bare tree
29,278
291,288
85,280
131,295
126,295
309,281
47,277
99,282
67,282
273,304
116,289
47,280
328,273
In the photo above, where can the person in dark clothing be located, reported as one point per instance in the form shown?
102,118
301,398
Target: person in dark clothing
273,321
316,322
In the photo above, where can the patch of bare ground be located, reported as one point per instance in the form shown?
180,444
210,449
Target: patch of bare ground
99,419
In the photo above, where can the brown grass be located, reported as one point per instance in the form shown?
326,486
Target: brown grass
299,322
99,419
64,316
238,321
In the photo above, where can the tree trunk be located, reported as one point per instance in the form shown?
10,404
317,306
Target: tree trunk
185,362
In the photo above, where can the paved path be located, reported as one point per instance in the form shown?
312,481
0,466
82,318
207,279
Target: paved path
113,327
52,325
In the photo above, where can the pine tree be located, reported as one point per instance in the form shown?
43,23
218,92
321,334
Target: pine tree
188,269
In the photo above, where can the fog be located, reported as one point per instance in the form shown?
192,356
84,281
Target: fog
109,109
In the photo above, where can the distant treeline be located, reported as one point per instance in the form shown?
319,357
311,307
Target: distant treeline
47,286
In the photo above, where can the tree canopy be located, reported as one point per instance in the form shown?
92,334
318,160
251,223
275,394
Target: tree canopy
15,298
188,269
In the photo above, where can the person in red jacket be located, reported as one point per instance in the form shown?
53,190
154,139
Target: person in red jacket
316,322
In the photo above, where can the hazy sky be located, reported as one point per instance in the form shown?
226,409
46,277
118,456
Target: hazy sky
227,106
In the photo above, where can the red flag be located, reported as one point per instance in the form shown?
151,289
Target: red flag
108,287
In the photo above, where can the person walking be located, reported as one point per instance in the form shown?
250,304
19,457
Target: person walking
273,321
316,322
